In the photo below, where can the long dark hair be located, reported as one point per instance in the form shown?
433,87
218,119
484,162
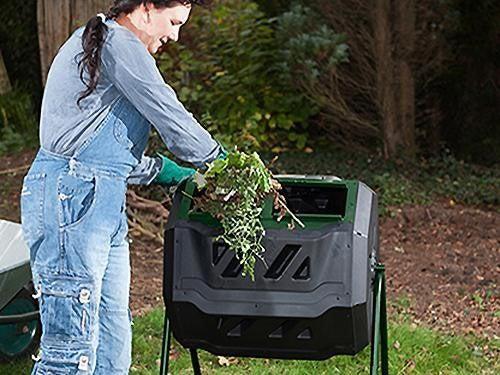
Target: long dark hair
95,33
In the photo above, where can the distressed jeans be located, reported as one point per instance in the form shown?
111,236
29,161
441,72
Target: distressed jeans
74,222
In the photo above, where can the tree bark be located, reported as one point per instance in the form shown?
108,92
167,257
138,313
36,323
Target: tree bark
395,54
57,20
386,99
5,85
405,25
394,50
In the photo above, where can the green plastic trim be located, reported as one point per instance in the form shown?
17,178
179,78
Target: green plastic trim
269,221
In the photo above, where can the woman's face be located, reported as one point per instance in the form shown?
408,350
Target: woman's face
162,24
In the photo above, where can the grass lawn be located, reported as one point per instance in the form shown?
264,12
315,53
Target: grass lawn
413,350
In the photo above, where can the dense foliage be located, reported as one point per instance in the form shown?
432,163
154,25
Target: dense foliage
230,64
18,124
309,49
229,71
19,46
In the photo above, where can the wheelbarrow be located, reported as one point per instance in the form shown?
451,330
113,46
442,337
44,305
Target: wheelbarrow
20,327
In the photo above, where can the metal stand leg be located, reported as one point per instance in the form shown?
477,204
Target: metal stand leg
195,362
165,349
379,337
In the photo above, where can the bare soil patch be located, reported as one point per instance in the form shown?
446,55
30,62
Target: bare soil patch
445,258
12,170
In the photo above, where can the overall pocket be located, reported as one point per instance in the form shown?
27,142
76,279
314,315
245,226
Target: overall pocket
76,195
67,307
32,206
121,133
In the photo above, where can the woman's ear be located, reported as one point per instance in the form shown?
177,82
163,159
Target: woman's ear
146,8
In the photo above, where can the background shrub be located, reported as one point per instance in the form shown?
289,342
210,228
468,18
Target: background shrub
18,122
228,70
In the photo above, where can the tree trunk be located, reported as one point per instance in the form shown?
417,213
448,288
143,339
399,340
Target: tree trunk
394,49
405,29
57,20
5,86
386,99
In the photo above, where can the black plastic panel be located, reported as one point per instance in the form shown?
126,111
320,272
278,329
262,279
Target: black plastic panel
272,337
316,200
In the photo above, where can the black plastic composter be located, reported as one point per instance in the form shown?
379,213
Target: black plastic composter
313,301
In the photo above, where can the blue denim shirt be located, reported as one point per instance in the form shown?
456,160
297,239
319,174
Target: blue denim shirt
129,70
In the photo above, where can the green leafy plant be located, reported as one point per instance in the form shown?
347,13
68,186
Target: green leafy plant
228,69
18,125
310,50
234,190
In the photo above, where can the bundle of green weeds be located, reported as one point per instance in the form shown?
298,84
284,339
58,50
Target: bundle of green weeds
233,192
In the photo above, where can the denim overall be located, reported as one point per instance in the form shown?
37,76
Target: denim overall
74,222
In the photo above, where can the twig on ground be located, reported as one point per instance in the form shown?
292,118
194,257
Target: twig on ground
140,203
139,228
15,170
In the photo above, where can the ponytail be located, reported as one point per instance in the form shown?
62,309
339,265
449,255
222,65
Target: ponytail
90,63
95,34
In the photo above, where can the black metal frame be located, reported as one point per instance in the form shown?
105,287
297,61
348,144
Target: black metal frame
379,347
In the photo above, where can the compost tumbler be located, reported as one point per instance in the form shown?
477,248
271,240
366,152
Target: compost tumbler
314,298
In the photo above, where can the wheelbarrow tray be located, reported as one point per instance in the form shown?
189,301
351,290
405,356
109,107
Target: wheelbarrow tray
15,271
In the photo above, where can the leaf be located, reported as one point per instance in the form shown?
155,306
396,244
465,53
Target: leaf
227,361
199,180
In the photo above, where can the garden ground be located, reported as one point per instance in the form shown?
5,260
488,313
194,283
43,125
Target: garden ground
442,261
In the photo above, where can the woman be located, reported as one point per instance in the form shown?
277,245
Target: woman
102,95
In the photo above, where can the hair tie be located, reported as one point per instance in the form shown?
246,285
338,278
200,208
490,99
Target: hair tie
102,16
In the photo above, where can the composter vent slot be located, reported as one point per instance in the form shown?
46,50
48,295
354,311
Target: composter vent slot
218,250
282,261
282,330
233,269
239,329
315,200
305,334
304,270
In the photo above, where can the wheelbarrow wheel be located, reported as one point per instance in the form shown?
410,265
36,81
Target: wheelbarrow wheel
19,339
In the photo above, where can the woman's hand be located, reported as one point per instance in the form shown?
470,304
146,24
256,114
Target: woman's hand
171,173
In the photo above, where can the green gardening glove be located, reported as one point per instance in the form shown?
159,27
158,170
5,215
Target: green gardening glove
171,173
